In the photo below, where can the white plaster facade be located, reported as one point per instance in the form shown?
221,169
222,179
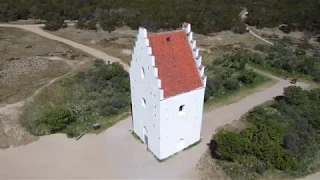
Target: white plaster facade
165,125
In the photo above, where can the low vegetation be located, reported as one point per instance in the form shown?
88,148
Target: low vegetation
229,74
27,63
54,22
284,60
74,103
282,139
206,16
86,25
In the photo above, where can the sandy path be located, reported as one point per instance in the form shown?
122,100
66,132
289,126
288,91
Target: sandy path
115,153
259,37
96,53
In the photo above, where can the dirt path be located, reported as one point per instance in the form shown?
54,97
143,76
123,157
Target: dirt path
11,132
96,53
115,153
259,37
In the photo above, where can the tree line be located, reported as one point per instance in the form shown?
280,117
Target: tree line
206,16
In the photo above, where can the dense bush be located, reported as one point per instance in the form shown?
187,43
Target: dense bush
74,103
206,16
270,13
91,25
52,120
54,22
239,27
81,24
247,77
285,60
283,136
229,73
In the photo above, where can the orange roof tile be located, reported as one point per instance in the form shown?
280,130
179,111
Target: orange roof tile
176,67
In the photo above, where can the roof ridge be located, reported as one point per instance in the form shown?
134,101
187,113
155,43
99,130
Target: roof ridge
164,32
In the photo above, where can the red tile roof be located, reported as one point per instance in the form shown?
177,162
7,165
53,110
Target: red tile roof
176,67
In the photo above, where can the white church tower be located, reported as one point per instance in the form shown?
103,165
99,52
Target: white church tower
167,90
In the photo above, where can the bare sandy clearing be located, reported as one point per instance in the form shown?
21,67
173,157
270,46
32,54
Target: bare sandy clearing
11,132
117,43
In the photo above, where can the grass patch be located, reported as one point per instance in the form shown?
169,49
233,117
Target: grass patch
232,96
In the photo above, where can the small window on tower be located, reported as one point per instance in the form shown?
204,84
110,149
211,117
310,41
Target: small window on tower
144,102
181,109
142,72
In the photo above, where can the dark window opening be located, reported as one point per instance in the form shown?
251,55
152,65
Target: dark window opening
181,108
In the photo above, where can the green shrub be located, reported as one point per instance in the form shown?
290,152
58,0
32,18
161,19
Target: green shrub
54,22
52,120
91,25
227,73
72,104
282,136
81,24
231,84
247,76
239,27
285,60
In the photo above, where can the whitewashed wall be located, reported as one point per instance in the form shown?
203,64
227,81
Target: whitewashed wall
176,126
147,87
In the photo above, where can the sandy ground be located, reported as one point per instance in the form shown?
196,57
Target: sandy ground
254,34
277,31
119,43
115,153
96,53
